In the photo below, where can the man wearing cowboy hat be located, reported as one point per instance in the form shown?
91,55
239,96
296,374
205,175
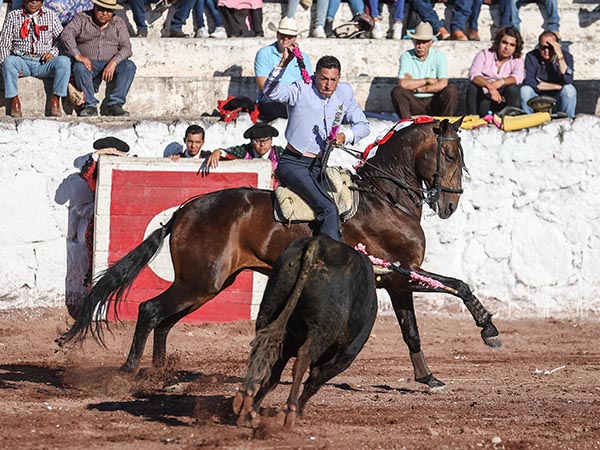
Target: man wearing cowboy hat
99,44
423,79
260,146
29,47
267,58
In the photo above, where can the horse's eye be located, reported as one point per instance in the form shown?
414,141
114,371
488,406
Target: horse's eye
449,156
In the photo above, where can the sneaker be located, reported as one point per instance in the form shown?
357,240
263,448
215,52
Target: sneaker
219,33
142,33
201,33
88,111
116,110
328,28
319,32
176,34
377,31
397,31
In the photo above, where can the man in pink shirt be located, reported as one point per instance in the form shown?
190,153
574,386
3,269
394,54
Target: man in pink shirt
496,74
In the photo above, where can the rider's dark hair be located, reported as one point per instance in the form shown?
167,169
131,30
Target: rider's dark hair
329,62
512,32
194,129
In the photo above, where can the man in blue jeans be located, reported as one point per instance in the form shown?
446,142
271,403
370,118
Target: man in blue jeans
313,109
509,13
99,44
29,47
549,71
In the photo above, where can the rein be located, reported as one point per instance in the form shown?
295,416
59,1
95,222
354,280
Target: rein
428,196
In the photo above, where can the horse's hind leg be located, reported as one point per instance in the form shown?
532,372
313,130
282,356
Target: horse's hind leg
151,314
482,317
405,314
160,337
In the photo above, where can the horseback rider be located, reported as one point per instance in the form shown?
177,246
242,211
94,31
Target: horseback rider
315,111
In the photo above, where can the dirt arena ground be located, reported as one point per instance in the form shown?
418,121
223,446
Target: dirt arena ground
540,391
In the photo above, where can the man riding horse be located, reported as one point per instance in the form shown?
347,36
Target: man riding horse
315,111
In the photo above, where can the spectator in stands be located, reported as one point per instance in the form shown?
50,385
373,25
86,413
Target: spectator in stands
375,10
465,12
509,13
496,74
99,43
194,140
89,172
423,86
356,6
549,71
260,146
29,47
317,30
267,58
182,12
424,9
138,9
66,9
242,18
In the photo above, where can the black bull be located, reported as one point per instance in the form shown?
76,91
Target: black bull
216,236
319,306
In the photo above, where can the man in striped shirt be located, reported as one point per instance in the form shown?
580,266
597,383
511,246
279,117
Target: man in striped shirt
98,42
29,47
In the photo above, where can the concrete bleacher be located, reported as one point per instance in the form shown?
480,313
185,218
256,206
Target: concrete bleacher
185,77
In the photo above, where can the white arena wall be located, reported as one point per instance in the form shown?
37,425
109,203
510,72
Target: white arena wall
525,236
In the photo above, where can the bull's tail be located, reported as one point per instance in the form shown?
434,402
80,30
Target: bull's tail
111,287
267,345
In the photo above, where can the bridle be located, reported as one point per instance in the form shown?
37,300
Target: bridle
425,196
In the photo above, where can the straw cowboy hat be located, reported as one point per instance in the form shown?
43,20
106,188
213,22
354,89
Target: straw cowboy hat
108,4
423,32
287,26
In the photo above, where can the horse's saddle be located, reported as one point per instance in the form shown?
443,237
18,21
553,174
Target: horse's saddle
290,208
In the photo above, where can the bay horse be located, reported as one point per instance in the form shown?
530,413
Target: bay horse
215,236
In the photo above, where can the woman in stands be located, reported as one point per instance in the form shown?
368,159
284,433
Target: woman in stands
496,74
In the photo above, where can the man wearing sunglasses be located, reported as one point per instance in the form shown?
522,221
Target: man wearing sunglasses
29,47
98,42
549,72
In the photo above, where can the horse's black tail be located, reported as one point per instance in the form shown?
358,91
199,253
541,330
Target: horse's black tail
266,346
111,286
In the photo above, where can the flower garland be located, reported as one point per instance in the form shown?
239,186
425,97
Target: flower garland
422,280
300,57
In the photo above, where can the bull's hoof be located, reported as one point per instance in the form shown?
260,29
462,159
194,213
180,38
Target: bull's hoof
435,386
286,417
490,336
128,370
243,407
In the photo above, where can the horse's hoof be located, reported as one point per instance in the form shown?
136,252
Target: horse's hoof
490,336
435,386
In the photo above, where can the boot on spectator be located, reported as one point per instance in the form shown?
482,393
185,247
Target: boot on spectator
54,106
15,107
443,34
458,35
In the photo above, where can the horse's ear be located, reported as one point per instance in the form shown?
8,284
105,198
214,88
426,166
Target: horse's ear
456,125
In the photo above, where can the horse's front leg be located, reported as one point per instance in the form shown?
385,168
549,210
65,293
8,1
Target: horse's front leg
460,289
405,313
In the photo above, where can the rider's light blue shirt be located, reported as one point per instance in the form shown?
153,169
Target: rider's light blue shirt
310,116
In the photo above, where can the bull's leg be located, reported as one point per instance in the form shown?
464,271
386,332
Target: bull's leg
323,372
246,402
405,313
460,289
287,415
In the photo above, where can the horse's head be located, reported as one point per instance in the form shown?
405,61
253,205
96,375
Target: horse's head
439,164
